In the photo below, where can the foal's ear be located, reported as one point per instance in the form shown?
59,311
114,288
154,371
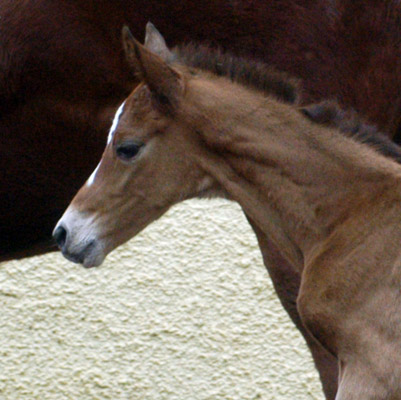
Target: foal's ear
154,41
163,81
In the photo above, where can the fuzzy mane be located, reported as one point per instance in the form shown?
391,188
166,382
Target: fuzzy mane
285,88
329,113
251,73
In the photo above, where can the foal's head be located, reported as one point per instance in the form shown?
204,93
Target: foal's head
148,164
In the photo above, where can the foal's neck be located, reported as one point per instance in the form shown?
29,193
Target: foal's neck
296,180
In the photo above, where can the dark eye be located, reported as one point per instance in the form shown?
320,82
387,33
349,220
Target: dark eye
128,151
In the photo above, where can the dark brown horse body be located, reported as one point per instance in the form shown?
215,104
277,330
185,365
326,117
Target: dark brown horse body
62,74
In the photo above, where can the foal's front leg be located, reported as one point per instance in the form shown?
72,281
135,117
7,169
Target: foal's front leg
286,282
358,382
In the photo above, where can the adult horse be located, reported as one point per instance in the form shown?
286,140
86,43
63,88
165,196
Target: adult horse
63,74
330,203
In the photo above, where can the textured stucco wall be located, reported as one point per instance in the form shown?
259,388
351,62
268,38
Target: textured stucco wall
185,311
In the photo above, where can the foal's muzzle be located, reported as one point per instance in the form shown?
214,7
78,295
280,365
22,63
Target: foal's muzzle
76,237
60,236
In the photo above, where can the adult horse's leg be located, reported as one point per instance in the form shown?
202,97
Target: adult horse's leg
286,282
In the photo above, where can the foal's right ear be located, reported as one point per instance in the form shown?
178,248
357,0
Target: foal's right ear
165,83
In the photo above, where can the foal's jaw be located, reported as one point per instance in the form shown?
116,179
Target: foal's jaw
77,236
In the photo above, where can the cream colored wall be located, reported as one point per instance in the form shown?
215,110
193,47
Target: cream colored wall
185,311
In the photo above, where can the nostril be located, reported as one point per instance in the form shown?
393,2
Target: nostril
60,236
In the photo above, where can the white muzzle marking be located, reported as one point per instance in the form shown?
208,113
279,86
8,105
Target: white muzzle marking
82,243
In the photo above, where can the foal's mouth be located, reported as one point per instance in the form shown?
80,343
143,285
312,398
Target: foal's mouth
89,256
84,257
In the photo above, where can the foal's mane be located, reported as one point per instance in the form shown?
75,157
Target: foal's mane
330,114
285,88
251,73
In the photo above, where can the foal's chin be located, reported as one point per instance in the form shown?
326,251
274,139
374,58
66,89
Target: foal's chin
90,256
92,262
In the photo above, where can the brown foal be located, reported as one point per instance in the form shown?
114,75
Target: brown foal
329,203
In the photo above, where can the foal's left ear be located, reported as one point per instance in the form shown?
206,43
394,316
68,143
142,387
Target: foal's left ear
164,82
154,41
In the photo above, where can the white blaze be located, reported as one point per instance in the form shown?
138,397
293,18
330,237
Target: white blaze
92,177
115,122
113,128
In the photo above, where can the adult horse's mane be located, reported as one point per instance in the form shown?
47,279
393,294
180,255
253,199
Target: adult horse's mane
285,88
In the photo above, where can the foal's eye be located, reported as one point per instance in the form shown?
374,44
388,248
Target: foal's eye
128,151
